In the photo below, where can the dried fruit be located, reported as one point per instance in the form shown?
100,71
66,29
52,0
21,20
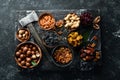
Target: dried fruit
59,23
89,54
63,55
86,18
47,21
74,39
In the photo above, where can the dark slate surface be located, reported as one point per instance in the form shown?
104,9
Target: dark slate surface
110,11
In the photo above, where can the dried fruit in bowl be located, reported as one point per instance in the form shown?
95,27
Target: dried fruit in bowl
74,39
86,18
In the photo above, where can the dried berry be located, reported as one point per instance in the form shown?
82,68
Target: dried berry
86,18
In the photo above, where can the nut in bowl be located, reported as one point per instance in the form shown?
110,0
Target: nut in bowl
28,55
62,56
72,21
23,34
46,21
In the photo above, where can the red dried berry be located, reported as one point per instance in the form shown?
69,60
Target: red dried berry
86,18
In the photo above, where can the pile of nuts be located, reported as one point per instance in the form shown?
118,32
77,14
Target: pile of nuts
72,21
28,55
62,55
46,21
23,34
89,53
74,39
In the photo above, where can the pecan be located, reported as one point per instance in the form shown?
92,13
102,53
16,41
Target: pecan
96,26
97,20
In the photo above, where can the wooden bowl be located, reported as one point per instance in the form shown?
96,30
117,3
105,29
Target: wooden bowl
44,21
59,64
32,49
20,37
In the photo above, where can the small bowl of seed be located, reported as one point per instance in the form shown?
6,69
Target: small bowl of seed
28,55
62,56
23,34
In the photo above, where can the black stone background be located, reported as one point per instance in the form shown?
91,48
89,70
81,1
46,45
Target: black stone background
110,13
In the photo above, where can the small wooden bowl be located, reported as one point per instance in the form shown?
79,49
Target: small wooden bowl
23,40
18,48
58,64
51,25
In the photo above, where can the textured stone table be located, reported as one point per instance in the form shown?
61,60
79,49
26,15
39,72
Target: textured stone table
110,12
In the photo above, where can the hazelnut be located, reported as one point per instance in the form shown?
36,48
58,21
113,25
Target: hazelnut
31,46
29,49
25,49
22,62
20,51
28,59
17,53
24,35
33,52
22,56
21,31
19,59
19,36
26,32
27,64
34,48
28,53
